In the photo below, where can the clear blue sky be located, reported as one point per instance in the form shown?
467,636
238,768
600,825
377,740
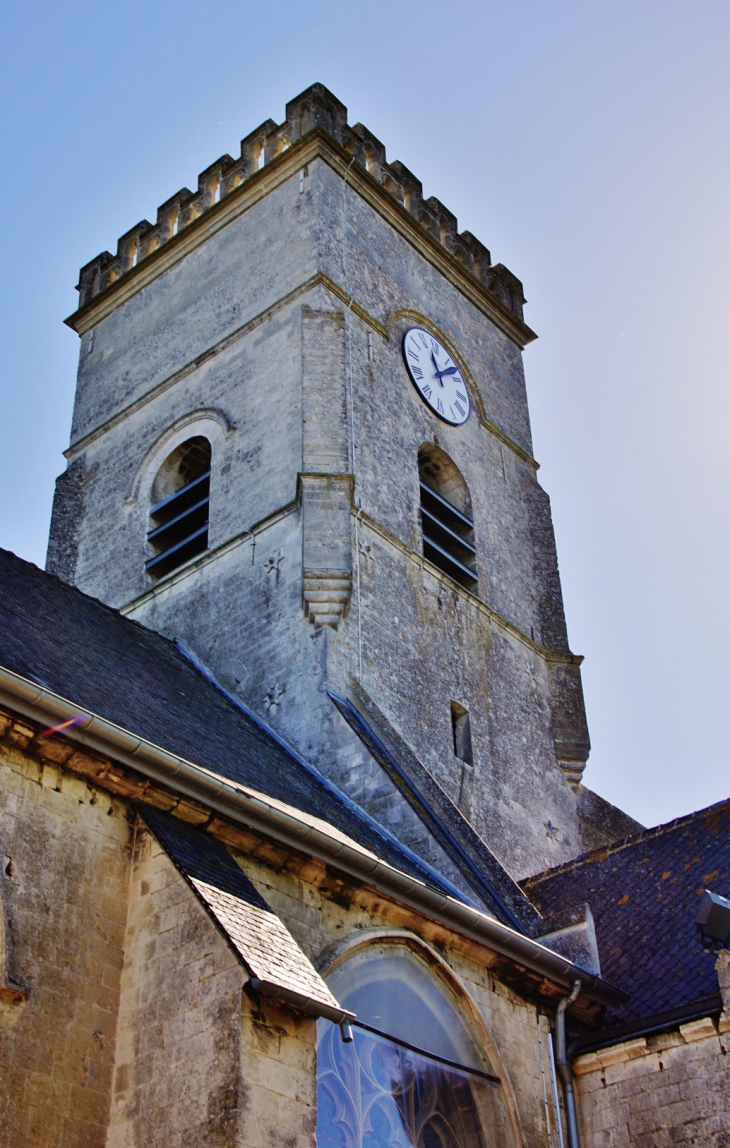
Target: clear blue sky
585,143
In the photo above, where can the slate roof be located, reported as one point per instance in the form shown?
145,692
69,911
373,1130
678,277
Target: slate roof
89,653
264,944
644,895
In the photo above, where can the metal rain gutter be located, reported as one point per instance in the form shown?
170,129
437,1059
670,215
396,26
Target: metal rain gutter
256,810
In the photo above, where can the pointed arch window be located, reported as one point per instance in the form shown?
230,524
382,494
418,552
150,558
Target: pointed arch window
446,516
178,526
413,1075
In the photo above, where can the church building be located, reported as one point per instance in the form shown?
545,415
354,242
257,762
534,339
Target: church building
296,848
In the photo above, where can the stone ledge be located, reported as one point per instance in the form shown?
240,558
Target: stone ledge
326,599
640,1047
606,1057
698,1029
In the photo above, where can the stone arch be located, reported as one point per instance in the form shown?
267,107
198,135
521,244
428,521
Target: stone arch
440,472
179,512
183,464
212,423
447,518
177,531
342,951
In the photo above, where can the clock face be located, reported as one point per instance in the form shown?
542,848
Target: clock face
436,376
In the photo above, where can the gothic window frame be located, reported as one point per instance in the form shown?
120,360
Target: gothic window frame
452,989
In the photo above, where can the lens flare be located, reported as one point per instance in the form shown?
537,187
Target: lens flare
63,725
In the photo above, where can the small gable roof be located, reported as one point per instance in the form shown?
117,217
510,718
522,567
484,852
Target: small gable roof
644,894
275,963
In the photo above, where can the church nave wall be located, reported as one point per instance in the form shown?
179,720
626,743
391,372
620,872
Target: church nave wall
64,882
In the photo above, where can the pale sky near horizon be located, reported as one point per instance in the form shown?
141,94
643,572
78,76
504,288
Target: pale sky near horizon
585,144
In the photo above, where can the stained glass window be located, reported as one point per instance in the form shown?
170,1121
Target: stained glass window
413,1076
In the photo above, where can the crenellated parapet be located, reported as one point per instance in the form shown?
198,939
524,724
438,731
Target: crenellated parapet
316,109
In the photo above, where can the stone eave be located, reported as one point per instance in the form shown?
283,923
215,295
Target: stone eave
316,144
251,809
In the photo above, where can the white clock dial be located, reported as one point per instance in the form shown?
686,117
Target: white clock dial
436,376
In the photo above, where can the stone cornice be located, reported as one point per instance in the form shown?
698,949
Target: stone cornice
214,794
193,364
208,556
255,321
227,189
560,657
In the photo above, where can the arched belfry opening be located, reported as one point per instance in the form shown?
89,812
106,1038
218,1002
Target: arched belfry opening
178,526
446,516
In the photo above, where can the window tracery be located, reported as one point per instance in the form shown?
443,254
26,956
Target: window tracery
413,1076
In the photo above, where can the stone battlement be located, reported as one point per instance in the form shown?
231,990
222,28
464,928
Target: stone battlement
315,108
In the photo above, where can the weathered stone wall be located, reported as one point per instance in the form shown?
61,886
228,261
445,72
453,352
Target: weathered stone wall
63,890
673,1088
326,919
600,822
137,1030
196,1061
248,403
66,521
134,1029
244,332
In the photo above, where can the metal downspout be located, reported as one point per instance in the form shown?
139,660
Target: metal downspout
566,1072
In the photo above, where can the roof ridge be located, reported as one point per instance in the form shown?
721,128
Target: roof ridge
205,672
624,842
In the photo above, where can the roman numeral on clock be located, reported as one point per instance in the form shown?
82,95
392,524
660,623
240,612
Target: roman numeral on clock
435,375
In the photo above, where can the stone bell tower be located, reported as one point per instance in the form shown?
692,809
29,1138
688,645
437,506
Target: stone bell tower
255,471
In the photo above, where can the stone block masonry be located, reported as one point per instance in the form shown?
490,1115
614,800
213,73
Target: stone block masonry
275,332
63,892
137,1029
656,1091
132,1029
222,183
196,1060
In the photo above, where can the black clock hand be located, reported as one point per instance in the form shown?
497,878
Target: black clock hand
436,368
448,371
